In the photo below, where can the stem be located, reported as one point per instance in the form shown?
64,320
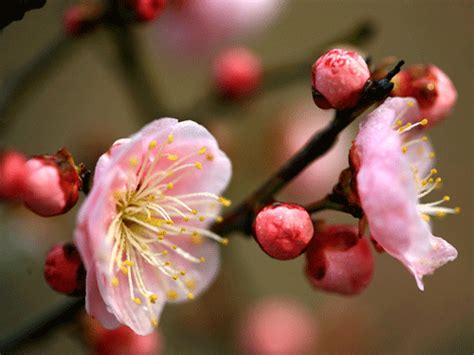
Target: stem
242,217
135,76
42,325
329,203
33,73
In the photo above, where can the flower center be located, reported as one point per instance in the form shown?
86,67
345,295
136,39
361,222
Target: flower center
419,157
151,221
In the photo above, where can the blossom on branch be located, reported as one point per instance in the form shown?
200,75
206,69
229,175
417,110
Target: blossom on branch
394,162
142,231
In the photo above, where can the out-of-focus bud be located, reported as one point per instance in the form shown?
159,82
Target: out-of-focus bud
123,341
147,10
82,18
53,184
13,173
277,326
283,230
337,260
339,78
432,89
237,73
64,271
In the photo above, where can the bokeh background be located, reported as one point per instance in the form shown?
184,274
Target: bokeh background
83,103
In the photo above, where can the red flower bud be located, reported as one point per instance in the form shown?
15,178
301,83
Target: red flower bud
337,260
13,173
82,18
147,10
237,73
432,89
64,271
124,341
52,187
284,230
339,78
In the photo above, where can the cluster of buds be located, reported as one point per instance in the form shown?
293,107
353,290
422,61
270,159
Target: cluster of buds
48,185
85,16
337,259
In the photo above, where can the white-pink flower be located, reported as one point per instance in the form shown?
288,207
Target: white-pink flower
197,26
394,171
142,231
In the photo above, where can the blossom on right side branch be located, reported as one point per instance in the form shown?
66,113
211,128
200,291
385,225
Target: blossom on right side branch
393,162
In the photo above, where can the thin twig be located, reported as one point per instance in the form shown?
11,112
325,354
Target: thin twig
33,73
242,217
278,76
136,80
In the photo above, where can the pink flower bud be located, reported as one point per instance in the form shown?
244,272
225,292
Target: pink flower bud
81,18
147,10
283,230
64,271
339,261
52,187
12,175
339,77
278,326
237,73
124,341
432,88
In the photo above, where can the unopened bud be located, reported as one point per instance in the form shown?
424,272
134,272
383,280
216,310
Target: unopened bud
237,73
339,78
147,10
432,89
284,230
64,271
123,340
338,261
52,187
13,173
82,18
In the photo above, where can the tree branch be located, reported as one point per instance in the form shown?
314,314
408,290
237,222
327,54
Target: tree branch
242,217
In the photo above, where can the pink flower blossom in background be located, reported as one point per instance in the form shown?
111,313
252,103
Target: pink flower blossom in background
294,128
394,171
276,326
142,231
189,26
13,173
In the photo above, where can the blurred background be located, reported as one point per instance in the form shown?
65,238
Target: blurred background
84,102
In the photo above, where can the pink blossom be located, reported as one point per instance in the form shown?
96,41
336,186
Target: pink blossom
197,26
142,231
394,171
277,326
